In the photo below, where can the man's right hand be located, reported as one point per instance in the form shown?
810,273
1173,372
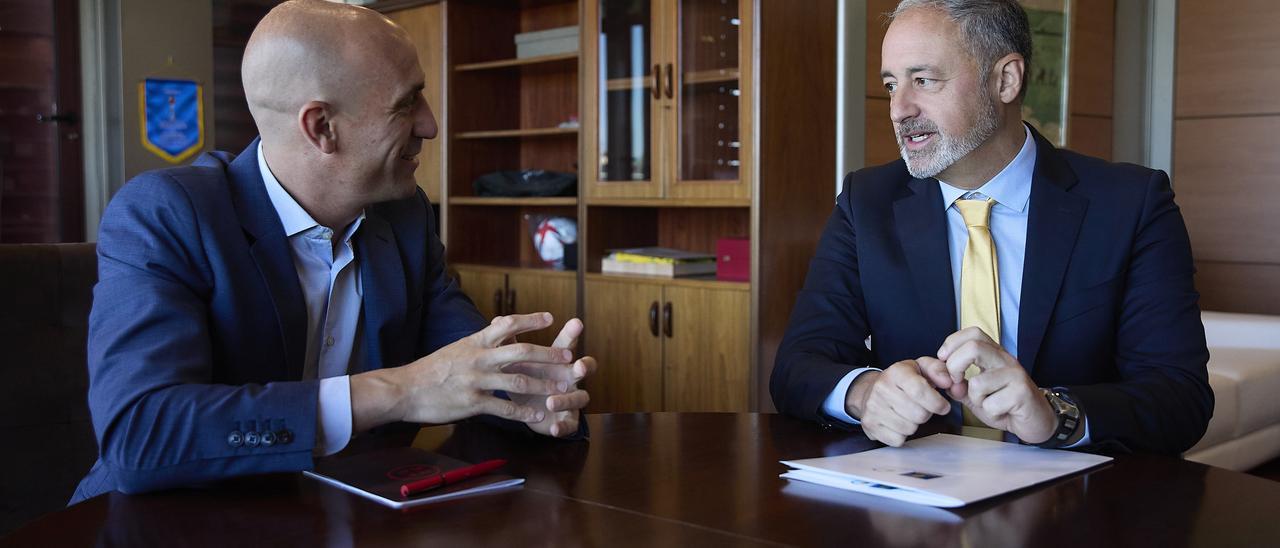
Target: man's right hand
457,381
893,403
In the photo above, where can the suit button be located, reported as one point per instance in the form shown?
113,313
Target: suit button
251,439
284,436
235,438
268,438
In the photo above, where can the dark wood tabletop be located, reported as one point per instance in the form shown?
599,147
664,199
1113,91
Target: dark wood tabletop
670,479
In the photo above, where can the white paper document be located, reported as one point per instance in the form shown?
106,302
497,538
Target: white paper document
942,470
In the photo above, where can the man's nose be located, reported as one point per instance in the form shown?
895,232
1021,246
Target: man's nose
902,105
424,122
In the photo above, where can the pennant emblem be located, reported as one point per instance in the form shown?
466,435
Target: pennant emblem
172,113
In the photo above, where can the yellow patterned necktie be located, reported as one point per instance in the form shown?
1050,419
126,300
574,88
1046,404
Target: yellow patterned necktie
979,285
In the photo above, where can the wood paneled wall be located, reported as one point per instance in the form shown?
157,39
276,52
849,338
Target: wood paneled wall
1090,93
880,145
1226,168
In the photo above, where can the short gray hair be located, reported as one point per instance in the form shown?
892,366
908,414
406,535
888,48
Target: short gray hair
990,29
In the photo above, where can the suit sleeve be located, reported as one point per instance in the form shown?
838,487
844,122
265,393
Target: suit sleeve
160,419
1162,401
825,336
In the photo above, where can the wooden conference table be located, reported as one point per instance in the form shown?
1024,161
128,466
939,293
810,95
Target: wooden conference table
671,479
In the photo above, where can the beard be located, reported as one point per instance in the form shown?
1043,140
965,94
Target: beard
947,149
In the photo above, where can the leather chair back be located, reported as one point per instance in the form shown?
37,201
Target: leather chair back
46,291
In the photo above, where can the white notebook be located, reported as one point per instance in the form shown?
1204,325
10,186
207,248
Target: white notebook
942,470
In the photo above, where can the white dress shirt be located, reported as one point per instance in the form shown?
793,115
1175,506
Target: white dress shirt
331,288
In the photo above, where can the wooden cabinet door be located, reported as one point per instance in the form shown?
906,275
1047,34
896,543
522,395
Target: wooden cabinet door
486,288
709,139
623,341
707,355
425,25
554,292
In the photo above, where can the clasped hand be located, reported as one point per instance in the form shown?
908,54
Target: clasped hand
892,404
459,380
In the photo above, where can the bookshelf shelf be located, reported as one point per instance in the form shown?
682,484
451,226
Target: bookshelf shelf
498,201
699,282
515,62
669,202
516,133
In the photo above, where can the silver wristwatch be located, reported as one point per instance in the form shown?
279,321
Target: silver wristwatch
1069,417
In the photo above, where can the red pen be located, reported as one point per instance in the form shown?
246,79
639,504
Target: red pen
452,476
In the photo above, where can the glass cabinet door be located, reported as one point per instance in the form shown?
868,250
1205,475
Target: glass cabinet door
712,106
620,137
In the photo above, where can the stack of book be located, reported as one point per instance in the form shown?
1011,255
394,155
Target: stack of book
658,261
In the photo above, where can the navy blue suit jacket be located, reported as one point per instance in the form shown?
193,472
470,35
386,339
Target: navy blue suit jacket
1108,306
198,326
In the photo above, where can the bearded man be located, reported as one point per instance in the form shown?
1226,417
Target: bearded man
1047,293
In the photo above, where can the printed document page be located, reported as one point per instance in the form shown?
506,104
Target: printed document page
942,470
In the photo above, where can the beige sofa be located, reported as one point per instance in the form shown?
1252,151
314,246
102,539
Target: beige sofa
1244,371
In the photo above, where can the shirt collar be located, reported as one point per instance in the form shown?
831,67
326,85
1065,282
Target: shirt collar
1010,188
294,219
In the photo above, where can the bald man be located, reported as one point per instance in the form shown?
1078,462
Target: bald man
256,311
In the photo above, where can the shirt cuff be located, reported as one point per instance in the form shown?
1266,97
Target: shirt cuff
833,406
334,422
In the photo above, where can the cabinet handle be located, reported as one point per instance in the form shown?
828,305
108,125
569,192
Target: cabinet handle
653,318
511,301
657,81
670,81
497,302
666,318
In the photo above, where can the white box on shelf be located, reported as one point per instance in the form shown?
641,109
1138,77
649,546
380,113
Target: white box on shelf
547,42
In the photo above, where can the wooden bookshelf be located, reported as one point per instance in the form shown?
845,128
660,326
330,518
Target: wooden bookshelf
675,162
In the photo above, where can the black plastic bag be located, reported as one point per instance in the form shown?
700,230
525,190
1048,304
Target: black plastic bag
531,182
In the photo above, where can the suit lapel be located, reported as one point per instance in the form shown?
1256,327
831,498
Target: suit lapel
383,279
1052,226
922,228
270,250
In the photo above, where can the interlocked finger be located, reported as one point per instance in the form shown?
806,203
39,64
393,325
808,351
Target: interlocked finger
504,328
518,384
506,355
507,409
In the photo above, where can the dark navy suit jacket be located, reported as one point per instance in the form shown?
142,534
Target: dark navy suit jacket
198,327
1108,306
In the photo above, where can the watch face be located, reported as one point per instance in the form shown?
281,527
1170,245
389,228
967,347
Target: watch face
1061,404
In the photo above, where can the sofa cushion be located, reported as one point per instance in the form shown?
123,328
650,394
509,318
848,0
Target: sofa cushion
1232,330
1256,375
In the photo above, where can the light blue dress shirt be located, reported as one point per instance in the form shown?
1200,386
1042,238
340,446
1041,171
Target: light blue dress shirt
1011,190
331,288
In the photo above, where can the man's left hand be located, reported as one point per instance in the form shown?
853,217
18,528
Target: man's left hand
562,410
1001,395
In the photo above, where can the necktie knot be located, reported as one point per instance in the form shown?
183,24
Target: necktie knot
976,213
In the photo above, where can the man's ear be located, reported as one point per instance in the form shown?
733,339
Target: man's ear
1010,76
315,120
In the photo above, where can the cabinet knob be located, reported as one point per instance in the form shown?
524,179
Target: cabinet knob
657,81
511,301
497,302
666,319
653,318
